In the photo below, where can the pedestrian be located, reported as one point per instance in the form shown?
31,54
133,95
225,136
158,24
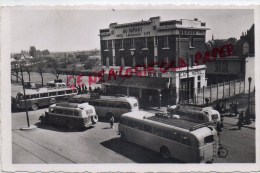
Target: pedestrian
207,101
240,120
112,122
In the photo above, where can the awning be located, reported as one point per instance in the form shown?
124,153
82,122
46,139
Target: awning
154,83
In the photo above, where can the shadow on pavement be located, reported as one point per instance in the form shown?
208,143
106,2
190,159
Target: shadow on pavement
56,128
135,152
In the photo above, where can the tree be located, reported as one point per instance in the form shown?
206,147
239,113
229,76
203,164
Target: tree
32,51
15,70
55,71
28,69
45,52
40,69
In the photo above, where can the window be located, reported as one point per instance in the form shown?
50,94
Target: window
145,42
199,86
130,123
156,41
200,117
209,139
165,41
224,66
94,103
135,105
52,93
126,106
121,42
214,117
138,126
198,78
34,96
58,111
147,128
44,95
132,43
177,137
90,111
110,104
185,140
74,91
68,112
68,91
157,131
191,41
167,135
217,66
76,113
117,105
27,96
61,92
104,104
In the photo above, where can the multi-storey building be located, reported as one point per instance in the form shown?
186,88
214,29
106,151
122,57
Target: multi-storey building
154,48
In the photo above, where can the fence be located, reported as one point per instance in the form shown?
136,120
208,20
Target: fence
219,91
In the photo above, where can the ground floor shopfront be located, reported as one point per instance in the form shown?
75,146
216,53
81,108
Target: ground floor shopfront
157,87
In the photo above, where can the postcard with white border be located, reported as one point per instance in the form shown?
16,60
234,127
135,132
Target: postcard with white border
135,88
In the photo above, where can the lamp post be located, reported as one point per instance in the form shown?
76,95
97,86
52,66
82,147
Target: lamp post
25,104
247,118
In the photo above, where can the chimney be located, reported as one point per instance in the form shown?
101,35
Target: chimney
196,19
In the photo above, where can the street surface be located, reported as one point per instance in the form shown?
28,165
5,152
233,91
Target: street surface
101,144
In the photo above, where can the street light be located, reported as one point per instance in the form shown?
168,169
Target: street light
247,118
25,103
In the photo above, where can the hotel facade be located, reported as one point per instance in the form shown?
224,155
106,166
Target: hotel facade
146,59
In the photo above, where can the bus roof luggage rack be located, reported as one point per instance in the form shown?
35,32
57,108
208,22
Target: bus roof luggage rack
69,105
181,123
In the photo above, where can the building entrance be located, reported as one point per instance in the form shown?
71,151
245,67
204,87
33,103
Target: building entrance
186,89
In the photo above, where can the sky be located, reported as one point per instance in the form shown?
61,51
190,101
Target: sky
73,29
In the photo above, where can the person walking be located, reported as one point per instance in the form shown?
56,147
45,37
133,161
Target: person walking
240,120
112,122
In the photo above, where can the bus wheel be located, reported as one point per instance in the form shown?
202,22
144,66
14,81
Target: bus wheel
94,119
35,106
165,153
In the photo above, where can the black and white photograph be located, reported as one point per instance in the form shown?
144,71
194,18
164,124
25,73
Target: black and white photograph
119,85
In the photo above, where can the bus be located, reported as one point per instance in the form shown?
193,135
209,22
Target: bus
184,140
36,98
108,106
196,113
70,115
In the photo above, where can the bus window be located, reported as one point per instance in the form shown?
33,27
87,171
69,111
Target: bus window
68,91
61,92
130,123
103,104
52,93
138,126
74,91
200,117
117,105
177,137
147,128
125,105
27,96
214,116
68,112
208,139
76,113
44,95
59,111
157,131
185,140
167,134
110,104
95,103
34,96
135,104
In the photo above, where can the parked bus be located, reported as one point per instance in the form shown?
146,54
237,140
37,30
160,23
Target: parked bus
196,113
108,106
177,138
71,115
36,98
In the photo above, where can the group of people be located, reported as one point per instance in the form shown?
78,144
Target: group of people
83,89
243,117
